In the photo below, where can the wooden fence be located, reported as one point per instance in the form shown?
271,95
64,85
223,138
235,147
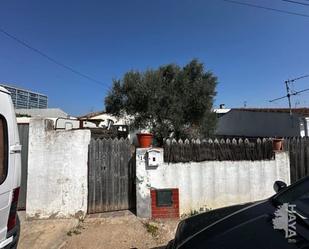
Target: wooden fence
217,150
299,156
111,175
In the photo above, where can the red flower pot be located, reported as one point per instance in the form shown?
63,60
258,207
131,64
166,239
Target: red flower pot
277,144
144,139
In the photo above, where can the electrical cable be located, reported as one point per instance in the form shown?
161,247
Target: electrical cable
57,62
266,8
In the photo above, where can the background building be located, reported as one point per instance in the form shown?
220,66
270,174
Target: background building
264,122
42,113
26,99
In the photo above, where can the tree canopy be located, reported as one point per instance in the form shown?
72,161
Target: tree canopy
169,101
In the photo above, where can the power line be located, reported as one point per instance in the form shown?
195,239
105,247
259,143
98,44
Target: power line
57,62
296,2
266,8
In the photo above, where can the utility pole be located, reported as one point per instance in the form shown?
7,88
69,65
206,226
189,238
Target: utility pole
289,94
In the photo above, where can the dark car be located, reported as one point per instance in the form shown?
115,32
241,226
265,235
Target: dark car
276,223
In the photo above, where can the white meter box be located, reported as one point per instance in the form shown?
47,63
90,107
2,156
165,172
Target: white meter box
154,157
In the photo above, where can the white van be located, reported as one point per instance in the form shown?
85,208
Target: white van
10,172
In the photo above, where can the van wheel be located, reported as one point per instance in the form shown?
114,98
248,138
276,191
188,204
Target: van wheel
15,233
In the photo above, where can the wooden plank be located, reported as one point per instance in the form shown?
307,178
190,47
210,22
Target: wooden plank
91,177
131,177
121,189
110,191
104,175
292,155
90,184
124,175
306,156
121,162
95,170
119,180
96,174
297,162
302,158
113,178
116,175
89,210
110,176
94,158
99,179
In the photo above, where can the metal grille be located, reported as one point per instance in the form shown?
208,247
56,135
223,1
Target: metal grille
164,197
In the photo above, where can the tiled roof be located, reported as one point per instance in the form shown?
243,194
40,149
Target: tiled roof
91,114
301,111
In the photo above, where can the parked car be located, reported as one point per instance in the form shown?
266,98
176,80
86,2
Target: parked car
10,172
251,225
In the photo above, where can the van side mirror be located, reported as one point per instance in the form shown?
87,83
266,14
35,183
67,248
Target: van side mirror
279,185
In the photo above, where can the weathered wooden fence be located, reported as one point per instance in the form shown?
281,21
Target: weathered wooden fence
217,150
23,130
111,175
299,156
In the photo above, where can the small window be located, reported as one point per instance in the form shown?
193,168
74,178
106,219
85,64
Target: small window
3,149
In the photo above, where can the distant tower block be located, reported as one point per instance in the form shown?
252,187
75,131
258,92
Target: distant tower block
25,99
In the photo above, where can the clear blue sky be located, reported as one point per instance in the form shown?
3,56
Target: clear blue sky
252,51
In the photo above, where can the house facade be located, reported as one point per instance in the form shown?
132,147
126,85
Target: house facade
104,118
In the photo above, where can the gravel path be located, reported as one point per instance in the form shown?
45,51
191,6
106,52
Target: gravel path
121,230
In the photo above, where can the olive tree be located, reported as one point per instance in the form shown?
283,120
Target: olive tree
170,101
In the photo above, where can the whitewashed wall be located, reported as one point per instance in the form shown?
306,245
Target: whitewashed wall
57,171
210,184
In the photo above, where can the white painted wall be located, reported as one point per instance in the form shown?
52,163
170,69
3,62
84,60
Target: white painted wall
210,184
57,171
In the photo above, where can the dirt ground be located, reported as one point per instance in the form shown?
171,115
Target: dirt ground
121,230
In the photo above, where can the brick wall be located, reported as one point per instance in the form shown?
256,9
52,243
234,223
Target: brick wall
165,211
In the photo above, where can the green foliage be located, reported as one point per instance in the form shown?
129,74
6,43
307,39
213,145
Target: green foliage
151,228
170,100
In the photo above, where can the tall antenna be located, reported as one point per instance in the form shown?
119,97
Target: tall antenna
289,93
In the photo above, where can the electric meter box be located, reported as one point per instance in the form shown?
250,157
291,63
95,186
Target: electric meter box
154,157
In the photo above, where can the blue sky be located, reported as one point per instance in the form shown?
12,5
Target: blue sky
252,51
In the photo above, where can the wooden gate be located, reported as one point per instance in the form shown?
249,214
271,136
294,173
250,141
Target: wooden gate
299,157
111,175
23,130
